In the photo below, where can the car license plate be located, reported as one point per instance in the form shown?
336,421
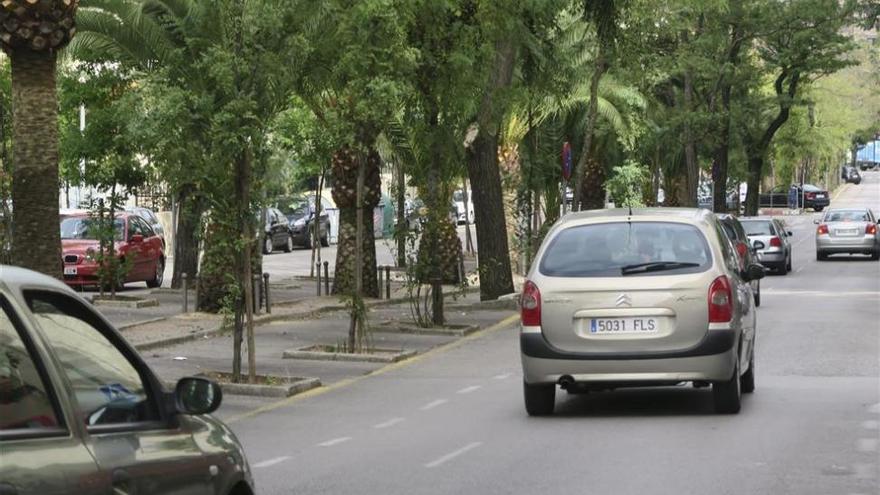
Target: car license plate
820,196
624,325
847,231
70,270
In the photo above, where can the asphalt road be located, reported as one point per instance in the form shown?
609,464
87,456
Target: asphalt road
453,421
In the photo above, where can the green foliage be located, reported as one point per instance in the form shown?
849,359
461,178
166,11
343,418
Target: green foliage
626,183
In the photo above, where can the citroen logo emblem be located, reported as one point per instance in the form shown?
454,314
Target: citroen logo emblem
624,300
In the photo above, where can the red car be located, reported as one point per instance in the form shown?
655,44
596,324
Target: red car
135,240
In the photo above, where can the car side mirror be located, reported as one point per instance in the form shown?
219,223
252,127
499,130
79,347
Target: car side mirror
759,245
137,239
816,221
196,395
755,272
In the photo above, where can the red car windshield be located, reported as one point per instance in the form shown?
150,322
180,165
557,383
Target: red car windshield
83,228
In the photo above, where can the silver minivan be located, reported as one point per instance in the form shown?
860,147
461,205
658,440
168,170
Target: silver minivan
620,298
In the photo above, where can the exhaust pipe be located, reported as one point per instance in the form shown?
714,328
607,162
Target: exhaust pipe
566,381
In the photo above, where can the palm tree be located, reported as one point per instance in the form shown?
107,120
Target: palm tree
31,33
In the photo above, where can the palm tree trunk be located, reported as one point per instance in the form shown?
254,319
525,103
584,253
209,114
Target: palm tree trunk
35,184
582,189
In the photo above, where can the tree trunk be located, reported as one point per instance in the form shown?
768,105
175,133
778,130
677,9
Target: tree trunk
722,153
344,193
356,326
582,184
468,238
35,162
756,164
496,278
692,169
186,235
402,222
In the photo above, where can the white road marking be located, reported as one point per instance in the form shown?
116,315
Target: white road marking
389,423
335,441
871,424
433,404
453,455
470,389
271,462
501,376
819,293
801,268
875,408
867,444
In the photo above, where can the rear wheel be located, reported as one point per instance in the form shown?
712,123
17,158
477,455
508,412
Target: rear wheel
818,208
875,255
288,246
758,296
158,276
820,256
788,264
540,399
267,245
727,395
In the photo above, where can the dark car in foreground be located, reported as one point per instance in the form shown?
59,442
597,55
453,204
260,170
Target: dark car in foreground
135,242
82,414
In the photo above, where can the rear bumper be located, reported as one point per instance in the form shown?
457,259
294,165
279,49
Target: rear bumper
85,275
827,244
821,203
773,257
712,359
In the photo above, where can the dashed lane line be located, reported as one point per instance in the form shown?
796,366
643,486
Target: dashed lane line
467,390
433,404
271,462
452,455
335,441
501,376
388,424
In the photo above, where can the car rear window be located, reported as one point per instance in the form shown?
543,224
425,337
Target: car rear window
759,227
847,216
604,250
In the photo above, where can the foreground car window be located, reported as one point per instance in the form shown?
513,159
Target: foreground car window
24,398
606,250
108,388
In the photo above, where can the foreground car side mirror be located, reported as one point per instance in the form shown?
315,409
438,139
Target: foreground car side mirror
755,272
759,245
816,221
196,395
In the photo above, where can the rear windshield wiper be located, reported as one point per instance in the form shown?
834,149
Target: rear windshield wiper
655,266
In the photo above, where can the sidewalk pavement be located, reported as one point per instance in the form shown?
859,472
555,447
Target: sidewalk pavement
188,344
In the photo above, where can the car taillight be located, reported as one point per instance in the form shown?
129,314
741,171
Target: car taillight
871,229
810,195
530,305
775,242
742,249
720,301
823,229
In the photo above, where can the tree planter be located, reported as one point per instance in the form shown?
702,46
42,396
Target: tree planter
266,386
124,302
323,352
402,327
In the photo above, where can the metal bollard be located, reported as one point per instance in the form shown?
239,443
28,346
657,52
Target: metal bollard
387,282
380,270
266,288
196,284
327,278
254,307
318,266
257,291
185,293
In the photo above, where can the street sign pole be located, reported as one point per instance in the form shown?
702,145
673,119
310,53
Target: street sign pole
566,175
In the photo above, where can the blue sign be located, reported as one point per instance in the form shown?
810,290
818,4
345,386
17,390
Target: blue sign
566,161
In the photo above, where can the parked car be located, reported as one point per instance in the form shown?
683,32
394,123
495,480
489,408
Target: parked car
414,212
135,241
654,296
747,255
772,242
81,412
276,232
151,218
848,231
463,213
808,196
851,175
301,217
